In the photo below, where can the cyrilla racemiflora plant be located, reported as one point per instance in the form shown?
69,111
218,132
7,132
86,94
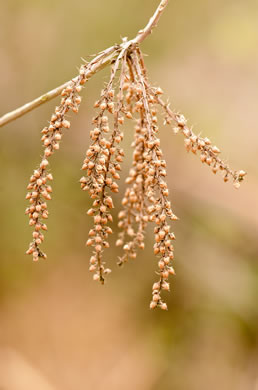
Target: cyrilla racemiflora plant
128,95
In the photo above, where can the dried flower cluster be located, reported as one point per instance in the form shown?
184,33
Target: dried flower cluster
127,95
195,143
102,165
146,199
38,188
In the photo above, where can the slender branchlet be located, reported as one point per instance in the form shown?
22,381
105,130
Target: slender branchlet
107,60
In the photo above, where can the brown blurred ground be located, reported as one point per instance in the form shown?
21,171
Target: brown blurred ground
58,329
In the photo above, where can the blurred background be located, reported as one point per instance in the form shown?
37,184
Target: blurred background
59,329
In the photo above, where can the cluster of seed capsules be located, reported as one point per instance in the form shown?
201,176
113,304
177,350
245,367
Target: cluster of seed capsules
102,165
208,152
133,218
146,198
39,188
160,213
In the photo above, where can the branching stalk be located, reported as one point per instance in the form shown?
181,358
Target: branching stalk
104,59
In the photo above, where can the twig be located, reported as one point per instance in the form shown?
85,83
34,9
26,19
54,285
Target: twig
98,64
142,34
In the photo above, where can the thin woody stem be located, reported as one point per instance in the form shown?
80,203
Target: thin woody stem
107,57
142,34
98,63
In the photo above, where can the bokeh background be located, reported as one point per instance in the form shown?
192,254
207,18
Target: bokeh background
59,329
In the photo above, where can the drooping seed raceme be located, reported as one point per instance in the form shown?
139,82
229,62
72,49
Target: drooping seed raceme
103,163
39,189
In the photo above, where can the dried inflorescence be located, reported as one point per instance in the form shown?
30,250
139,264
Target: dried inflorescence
39,189
102,164
134,216
208,153
128,94
146,199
